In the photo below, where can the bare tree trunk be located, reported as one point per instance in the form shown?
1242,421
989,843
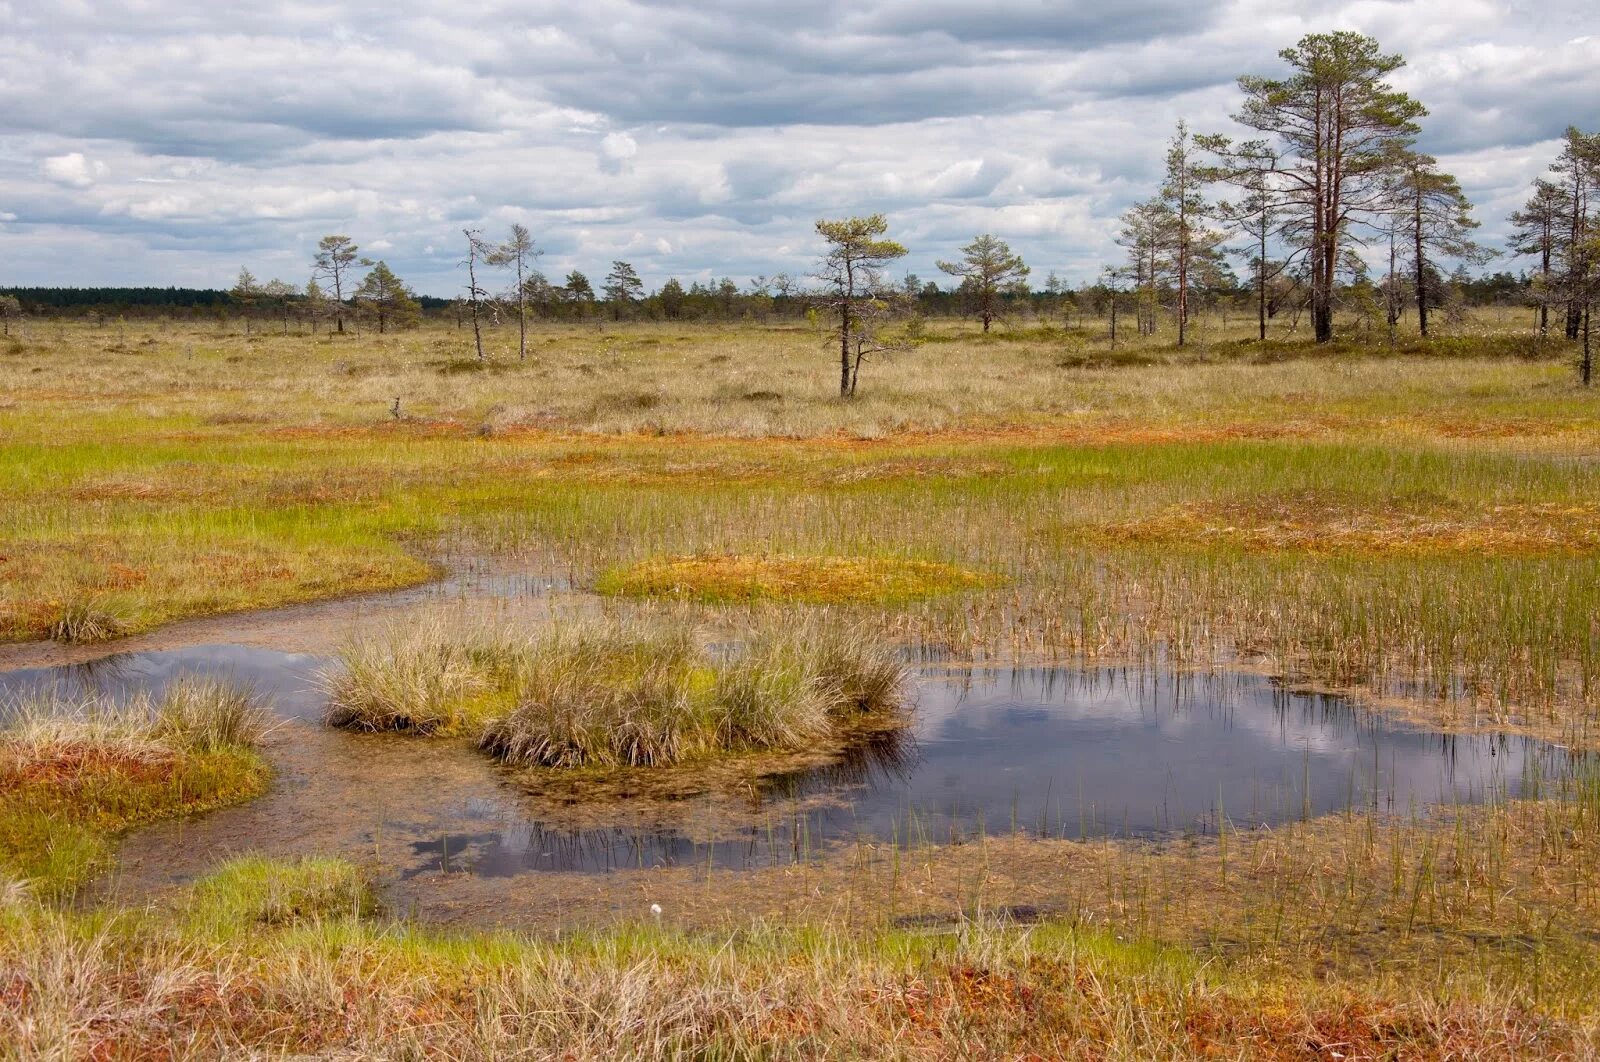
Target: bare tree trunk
1586,369
472,292
522,315
1544,269
1183,276
1261,286
846,294
1422,265
1391,297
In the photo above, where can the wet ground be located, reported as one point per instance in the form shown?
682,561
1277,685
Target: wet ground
1041,752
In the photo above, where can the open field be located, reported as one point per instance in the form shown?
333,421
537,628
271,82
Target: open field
1418,528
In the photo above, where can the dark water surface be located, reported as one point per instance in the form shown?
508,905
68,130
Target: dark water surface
1049,752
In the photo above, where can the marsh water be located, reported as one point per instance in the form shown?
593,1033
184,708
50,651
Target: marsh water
1046,752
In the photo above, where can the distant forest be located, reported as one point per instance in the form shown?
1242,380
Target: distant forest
723,300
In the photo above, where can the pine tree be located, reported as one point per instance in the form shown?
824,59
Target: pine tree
518,254
335,257
1536,227
852,269
1188,238
383,295
623,287
1435,219
989,271
1332,130
245,291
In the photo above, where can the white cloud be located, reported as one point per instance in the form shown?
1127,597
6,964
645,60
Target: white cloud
619,146
164,143
72,169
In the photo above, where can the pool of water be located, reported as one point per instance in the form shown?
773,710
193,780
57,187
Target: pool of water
1046,752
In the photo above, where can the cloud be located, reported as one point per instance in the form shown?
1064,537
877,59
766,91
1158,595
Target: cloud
72,169
166,142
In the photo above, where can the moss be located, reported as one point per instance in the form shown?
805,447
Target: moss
251,892
61,805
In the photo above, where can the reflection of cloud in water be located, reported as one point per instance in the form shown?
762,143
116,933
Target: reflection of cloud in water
286,679
1061,752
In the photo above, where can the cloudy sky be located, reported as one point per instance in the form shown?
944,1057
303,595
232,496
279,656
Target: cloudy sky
166,142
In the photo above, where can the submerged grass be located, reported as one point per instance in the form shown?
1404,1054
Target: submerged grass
75,773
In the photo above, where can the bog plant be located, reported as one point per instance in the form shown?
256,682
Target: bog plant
76,771
617,692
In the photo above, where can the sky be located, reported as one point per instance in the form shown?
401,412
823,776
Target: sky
163,142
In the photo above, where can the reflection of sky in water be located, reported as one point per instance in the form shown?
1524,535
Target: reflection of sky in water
1070,752
1059,752
286,679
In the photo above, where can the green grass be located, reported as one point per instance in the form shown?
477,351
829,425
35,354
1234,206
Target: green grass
251,893
75,774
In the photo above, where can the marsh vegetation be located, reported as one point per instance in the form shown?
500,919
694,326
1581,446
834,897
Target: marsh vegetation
642,692
1413,529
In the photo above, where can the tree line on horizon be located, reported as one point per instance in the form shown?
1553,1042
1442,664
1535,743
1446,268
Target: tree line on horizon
1329,181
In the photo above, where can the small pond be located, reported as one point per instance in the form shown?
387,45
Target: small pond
1047,752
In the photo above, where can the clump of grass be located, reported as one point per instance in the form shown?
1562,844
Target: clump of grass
84,622
75,772
813,580
606,695
849,669
209,714
421,676
615,693
861,674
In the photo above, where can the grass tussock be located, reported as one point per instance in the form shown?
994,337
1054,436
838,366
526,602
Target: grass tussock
615,693
85,622
75,773
423,676
810,580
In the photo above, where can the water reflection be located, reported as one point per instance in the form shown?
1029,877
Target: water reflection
1055,752
287,680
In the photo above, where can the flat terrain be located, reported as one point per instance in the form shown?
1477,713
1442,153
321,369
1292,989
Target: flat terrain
1416,527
